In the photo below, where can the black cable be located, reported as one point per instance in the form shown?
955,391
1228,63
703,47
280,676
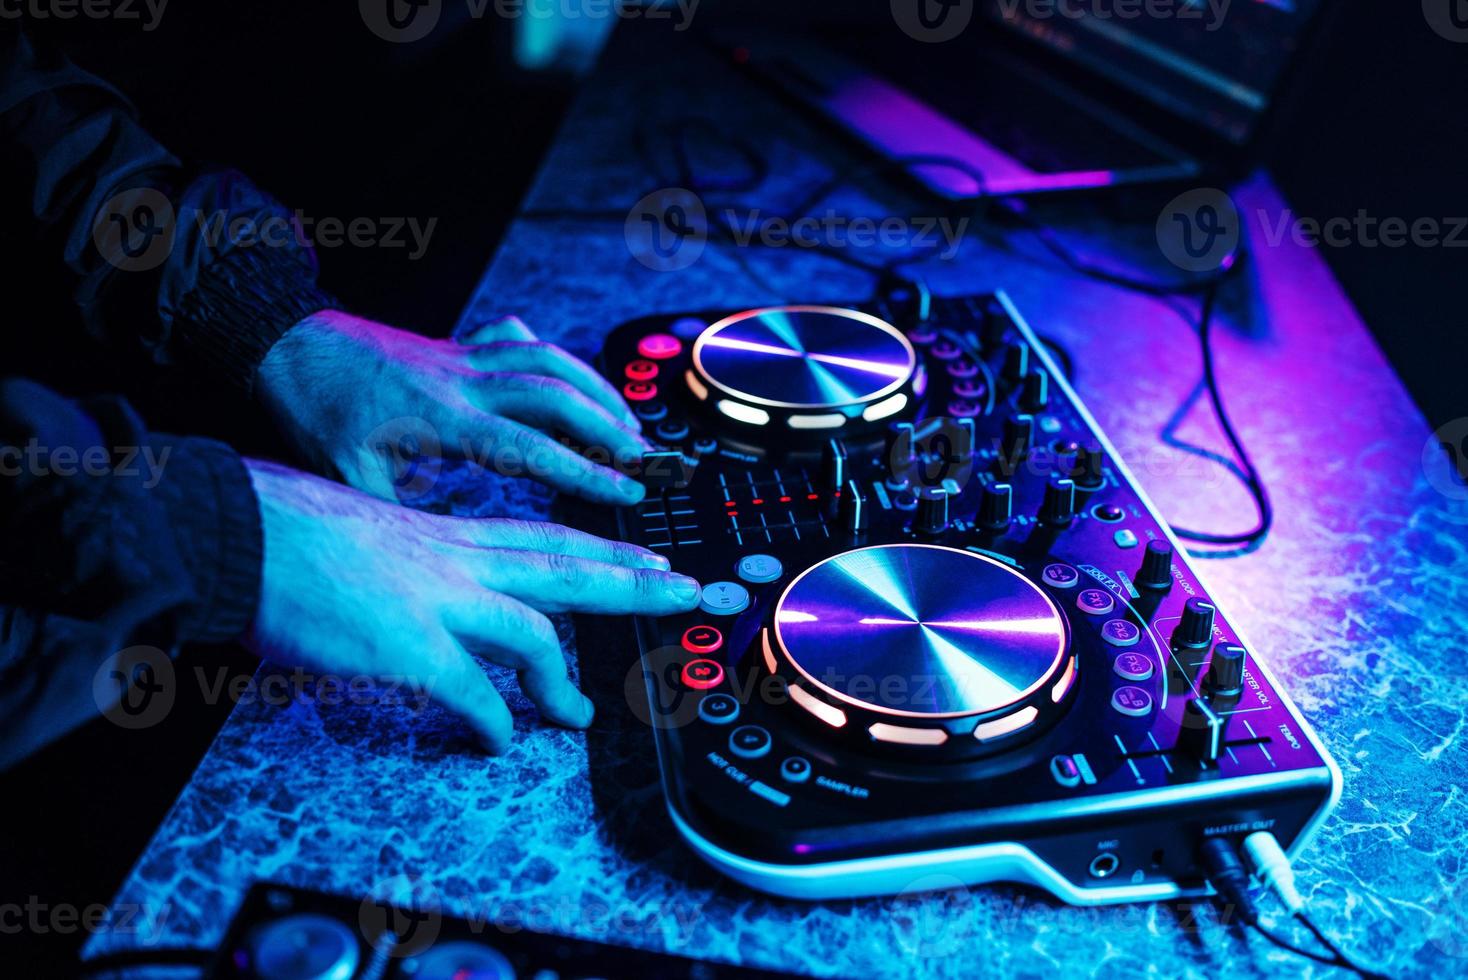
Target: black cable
1343,959
1252,480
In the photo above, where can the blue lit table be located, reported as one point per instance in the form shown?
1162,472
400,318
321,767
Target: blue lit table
1356,600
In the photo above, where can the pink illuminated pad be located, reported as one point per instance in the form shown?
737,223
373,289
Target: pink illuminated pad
659,346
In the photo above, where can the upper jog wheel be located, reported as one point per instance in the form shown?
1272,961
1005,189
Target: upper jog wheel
804,368
922,645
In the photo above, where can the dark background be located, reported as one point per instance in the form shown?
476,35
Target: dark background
334,121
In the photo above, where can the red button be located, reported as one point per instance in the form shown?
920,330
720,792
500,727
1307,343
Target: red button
702,639
702,674
640,391
642,370
659,346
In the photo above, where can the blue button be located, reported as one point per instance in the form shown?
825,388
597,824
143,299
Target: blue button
1120,632
750,742
1132,701
724,599
1060,576
1133,666
718,709
1097,602
759,569
795,769
1125,538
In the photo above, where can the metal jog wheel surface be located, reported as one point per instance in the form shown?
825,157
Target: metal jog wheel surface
804,367
922,642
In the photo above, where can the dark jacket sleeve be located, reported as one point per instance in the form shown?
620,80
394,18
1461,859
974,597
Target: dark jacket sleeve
113,537
158,256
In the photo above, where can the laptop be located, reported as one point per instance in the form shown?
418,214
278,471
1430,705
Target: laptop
1038,96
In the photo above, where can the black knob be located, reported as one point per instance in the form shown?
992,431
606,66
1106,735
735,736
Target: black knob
1156,572
995,507
959,435
932,511
856,515
1201,734
1058,508
1086,470
1014,441
1225,677
1035,394
1016,362
1195,631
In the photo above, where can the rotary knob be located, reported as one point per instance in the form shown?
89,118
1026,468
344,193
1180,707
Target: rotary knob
1156,571
1014,441
1035,394
1058,508
1195,630
1016,362
856,515
1225,677
1086,470
996,502
932,511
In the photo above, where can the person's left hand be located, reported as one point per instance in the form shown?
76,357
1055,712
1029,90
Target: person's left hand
349,393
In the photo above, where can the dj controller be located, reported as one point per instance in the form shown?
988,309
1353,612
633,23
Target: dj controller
942,629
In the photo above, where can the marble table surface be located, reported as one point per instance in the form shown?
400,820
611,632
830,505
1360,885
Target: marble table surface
1357,599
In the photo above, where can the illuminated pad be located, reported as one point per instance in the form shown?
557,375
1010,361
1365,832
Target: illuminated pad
920,631
804,358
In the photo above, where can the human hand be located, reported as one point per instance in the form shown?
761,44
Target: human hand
356,585
347,391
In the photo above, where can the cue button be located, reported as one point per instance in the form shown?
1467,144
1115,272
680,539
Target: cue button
702,639
718,709
640,391
651,411
759,569
1096,602
724,599
750,742
1132,701
659,346
1133,666
702,674
641,371
1060,576
795,769
1120,632
672,430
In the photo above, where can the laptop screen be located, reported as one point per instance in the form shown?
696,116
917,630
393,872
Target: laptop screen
1215,62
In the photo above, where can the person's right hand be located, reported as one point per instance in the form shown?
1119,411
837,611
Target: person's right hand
354,585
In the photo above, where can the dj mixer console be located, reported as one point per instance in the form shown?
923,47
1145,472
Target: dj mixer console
942,629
